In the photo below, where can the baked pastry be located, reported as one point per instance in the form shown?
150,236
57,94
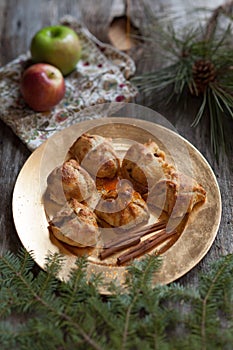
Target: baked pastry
176,194
76,225
68,181
122,207
143,165
158,181
96,154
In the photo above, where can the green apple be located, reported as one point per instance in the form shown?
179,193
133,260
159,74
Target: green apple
57,45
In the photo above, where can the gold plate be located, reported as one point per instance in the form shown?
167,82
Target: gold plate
31,221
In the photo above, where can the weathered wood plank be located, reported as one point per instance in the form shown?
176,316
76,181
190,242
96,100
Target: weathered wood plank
19,20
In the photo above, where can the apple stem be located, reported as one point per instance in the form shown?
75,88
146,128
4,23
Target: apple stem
51,75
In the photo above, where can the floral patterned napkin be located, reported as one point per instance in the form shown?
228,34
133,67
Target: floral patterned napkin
100,77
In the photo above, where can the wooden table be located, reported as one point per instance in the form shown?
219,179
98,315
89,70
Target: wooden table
19,20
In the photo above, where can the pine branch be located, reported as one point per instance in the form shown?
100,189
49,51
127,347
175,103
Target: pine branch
198,62
74,315
24,282
127,320
205,303
211,290
138,281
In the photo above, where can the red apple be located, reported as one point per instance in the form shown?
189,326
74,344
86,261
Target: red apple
42,86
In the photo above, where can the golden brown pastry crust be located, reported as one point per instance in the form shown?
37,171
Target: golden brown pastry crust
143,165
122,207
76,225
70,181
176,194
96,154
159,182
145,180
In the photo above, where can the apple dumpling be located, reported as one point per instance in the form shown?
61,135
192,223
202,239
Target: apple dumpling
143,165
122,207
70,181
177,194
96,154
158,181
76,225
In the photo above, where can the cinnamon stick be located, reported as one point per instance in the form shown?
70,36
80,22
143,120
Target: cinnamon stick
144,246
117,245
137,233
114,249
168,245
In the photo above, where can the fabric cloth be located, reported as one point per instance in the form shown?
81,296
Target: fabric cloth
101,76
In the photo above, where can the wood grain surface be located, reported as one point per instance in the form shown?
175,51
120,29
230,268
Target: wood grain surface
19,20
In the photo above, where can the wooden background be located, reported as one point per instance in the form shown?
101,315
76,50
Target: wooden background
19,20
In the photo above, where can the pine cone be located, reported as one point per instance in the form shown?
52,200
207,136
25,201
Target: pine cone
203,72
